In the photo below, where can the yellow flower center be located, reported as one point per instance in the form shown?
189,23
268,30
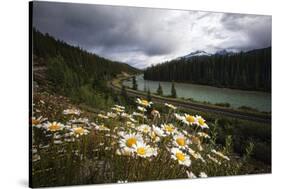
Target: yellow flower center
180,156
201,121
180,141
54,127
144,102
79,130
141,151
190,119
169,128
131,141
35,121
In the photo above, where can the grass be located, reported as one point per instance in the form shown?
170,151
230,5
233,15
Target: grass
100,154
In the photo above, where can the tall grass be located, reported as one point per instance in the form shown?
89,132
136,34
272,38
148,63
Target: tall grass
168,145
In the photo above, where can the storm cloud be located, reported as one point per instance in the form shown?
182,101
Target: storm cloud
145,36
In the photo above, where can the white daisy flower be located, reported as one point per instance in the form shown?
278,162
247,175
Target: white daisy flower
120,107
103,116
142,109
57,136
80,120
35,157
101,128
111,114
127,141
170,106
182,158
54,126
144,128
37,122
196,155
168,128
57,142
201,122
118,110
130,124
153,137
180,141
203,175
139,115
143,102
143,150
158,131
190,175
125,115
204,135
133,120
179,117
189,119
213,159
79,131
220,155
122,181
71,111
124,152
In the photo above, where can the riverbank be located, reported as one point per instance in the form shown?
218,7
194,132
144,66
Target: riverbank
260,101
229,112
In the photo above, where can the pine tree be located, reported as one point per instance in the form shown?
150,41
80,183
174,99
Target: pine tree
135,85
173,90
144,87
148,95
159,90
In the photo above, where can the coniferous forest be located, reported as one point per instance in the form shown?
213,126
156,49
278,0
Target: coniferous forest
76,73
85,64
245,70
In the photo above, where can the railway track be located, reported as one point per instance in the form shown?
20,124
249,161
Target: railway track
199,107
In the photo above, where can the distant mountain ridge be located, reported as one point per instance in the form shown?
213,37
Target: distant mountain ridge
196,53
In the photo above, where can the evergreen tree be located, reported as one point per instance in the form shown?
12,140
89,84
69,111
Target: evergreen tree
148,95
159,90
144,87
135,85
173,90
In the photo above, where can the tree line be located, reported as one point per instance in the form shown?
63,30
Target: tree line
245,70
76,73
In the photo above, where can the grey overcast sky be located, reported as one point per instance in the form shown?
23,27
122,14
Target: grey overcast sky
145,36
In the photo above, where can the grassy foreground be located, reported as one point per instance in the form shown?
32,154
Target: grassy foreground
71,146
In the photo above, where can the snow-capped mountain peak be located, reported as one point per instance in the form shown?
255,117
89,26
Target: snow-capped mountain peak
196,53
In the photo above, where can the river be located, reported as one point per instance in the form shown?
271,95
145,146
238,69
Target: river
236,98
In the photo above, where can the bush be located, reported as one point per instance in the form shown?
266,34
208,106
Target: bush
223,104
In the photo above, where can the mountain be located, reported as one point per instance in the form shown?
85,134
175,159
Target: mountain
199,53
194,54
67,70
46,46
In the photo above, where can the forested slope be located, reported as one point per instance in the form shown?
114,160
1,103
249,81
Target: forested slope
245,70
74,72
